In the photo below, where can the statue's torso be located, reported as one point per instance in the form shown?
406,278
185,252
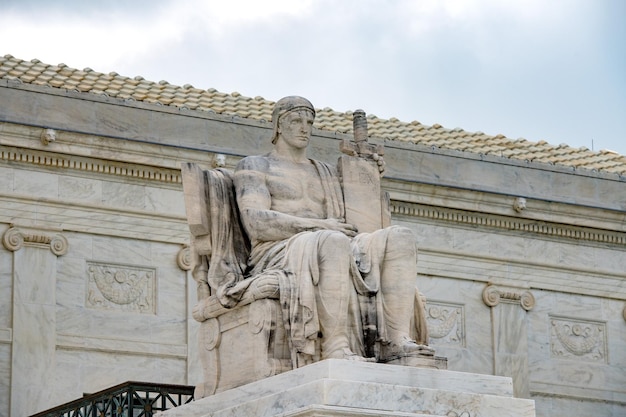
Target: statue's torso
295,188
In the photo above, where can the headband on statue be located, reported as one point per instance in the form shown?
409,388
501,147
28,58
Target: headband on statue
286,105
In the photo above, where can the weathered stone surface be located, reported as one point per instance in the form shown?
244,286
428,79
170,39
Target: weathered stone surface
344,293
361,189
567,247
343,388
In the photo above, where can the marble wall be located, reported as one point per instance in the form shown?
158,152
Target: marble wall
110,306
563,348
94,281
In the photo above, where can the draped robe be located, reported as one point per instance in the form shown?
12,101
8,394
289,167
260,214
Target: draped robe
293,264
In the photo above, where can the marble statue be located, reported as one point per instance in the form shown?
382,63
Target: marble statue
344,293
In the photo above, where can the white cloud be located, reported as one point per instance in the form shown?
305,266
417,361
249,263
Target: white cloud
522,68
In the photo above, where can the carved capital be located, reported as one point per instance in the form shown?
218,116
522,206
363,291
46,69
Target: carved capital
59,245
492,295
14,238
527,300
183,259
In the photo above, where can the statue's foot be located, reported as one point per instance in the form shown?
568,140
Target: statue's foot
405,347
347,354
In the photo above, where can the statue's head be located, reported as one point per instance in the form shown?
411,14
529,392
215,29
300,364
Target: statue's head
286,105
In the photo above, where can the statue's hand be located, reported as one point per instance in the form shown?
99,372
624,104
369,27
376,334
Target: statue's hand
380,162
339,225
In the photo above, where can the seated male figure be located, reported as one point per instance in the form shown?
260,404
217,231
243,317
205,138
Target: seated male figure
292,210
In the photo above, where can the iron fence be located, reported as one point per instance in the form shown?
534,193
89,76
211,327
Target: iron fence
130,399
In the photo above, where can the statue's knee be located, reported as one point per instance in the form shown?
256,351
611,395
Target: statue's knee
335,243
401,238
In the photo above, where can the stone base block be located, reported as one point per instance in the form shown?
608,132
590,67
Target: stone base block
420,361
344,388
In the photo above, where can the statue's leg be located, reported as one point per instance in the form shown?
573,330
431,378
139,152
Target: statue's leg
333,294
397,289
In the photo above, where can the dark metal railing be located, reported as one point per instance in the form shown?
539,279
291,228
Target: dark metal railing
130,399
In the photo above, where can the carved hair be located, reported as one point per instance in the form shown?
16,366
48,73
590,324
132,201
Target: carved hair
286,105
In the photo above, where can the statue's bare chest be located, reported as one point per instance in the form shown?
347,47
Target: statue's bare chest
296,187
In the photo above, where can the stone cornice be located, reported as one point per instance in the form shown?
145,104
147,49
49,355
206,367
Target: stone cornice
142,161
535,220
100,154
477,201
94,219
508,223
71,162
510,272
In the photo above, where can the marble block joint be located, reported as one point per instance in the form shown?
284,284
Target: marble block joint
336,387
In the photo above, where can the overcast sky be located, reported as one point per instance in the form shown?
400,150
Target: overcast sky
551,70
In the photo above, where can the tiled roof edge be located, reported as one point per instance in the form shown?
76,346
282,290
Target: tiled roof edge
162,93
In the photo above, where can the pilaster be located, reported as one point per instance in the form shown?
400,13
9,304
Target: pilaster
35,254
509,329
194,372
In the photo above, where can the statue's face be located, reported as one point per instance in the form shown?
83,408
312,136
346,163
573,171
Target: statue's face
295,128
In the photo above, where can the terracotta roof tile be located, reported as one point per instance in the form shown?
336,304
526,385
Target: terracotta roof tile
163,93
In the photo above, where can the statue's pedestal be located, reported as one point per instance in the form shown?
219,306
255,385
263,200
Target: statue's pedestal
344,388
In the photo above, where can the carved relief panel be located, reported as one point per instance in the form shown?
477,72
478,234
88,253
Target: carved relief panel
121,287
578,339
446,323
